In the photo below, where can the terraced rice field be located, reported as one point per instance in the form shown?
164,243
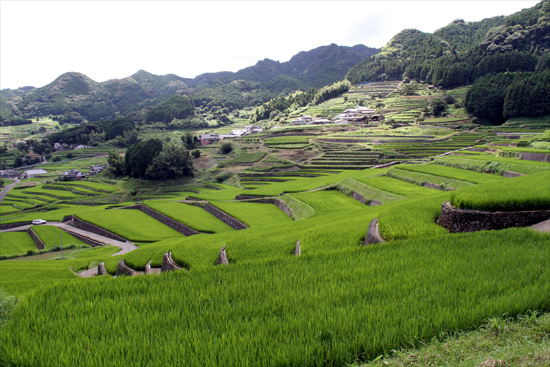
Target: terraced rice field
16,244
131,224
192,216
254,214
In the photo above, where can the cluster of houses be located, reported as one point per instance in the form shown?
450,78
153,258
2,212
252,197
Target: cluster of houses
358,115
76,175
64,147
206,139
71,175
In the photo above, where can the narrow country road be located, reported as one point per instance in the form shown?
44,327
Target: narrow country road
123,246
7,189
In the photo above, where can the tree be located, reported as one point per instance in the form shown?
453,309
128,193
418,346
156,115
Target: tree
438,106
189,140
116,163
139,156
172,162
226,148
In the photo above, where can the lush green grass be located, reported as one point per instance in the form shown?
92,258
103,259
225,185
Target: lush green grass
192,216
453,173
327,202
300,210
419,178
492,164
395,186
254,214
15,244
287,140
350,185
502,341
51,237
329,309
413,218
531,192
131,224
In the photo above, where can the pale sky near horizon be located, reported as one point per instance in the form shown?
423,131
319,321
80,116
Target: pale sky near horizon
40,40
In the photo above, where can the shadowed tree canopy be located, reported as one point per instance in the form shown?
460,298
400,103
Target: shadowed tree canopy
176,107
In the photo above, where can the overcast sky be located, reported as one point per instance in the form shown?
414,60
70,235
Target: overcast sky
40,40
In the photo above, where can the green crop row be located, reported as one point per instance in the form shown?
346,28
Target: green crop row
422,178
329,202
450,172
529,192
350,185
131,224
329,309
412,219
253,214
16,244
492,164
192,216
54,237
287,140
396,186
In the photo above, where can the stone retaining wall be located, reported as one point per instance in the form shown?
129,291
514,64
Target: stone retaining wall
123,269
79,223
168,264
84,239
221,215
39,243
539,157
467,220
13,225
174,224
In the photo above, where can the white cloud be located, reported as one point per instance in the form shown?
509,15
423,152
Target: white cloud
40,40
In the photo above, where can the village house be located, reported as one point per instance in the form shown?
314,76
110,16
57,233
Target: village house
303,120
9,173
30,173
97,169
206,139
72,175
253,129
321,121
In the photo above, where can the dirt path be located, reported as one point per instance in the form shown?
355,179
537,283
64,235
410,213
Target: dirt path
123,246
542,226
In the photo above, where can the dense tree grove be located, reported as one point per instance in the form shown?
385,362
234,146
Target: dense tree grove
152,160
176,107
495,98
141,155
462,52
121,130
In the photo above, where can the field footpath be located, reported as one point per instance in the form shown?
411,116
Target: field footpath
124,247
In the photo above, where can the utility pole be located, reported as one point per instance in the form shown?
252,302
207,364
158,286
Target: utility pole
61,244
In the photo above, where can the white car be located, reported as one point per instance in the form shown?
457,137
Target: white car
39,221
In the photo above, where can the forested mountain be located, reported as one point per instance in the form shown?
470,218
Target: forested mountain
73,97
462,51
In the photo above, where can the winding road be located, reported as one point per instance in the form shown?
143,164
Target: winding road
124,247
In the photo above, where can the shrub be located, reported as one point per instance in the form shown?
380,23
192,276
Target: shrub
226,148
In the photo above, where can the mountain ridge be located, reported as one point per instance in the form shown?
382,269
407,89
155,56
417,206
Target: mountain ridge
268,78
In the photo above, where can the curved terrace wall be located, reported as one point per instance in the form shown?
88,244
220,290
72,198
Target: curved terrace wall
468,220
